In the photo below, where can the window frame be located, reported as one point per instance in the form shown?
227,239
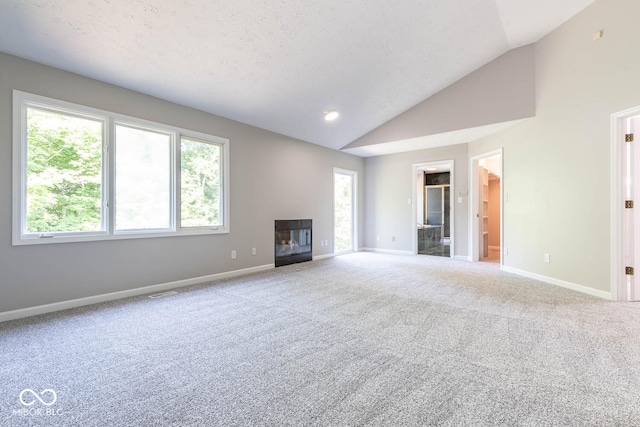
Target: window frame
137,125
222,206
23,100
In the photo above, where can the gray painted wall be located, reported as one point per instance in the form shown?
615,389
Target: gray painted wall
556,165
501,91
272,176
388,185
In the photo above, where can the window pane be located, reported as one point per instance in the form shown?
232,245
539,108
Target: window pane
64,173
200,184
143,179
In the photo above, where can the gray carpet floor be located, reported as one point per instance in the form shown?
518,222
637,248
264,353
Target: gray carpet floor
361,339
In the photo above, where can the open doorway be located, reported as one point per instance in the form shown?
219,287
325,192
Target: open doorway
433,209
486,231
491,232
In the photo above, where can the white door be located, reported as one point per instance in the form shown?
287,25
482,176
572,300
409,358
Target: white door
632,216
344,208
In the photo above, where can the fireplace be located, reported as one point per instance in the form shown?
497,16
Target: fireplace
292,241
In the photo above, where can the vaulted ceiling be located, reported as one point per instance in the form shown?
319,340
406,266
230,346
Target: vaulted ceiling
280,64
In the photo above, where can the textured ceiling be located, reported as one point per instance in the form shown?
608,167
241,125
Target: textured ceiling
279,64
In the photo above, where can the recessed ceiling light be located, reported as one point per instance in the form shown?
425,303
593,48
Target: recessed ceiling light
331,115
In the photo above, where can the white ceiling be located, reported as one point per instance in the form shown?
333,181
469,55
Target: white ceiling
279,64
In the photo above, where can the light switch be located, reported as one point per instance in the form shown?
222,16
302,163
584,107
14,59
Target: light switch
459,199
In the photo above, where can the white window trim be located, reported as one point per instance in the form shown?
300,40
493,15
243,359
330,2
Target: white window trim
354,208
137,124
20,101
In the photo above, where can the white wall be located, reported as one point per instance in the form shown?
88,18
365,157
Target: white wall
556,165
388,186
272,177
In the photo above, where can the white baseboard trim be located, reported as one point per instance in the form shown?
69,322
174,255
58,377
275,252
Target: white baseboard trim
318,257
462,258
561,283
80,302
386,251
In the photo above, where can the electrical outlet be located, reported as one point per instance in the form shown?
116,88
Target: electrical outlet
393,238
506,251
378,238
546,258
253,251
233,254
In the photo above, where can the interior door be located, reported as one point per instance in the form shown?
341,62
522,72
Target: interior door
435,207
632,216
446,200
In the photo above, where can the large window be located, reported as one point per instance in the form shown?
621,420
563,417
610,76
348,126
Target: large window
85,174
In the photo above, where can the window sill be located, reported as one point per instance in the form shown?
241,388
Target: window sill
53,239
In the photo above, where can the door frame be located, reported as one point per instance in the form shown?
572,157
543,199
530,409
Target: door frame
617,210
474,202
354,210
414,199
